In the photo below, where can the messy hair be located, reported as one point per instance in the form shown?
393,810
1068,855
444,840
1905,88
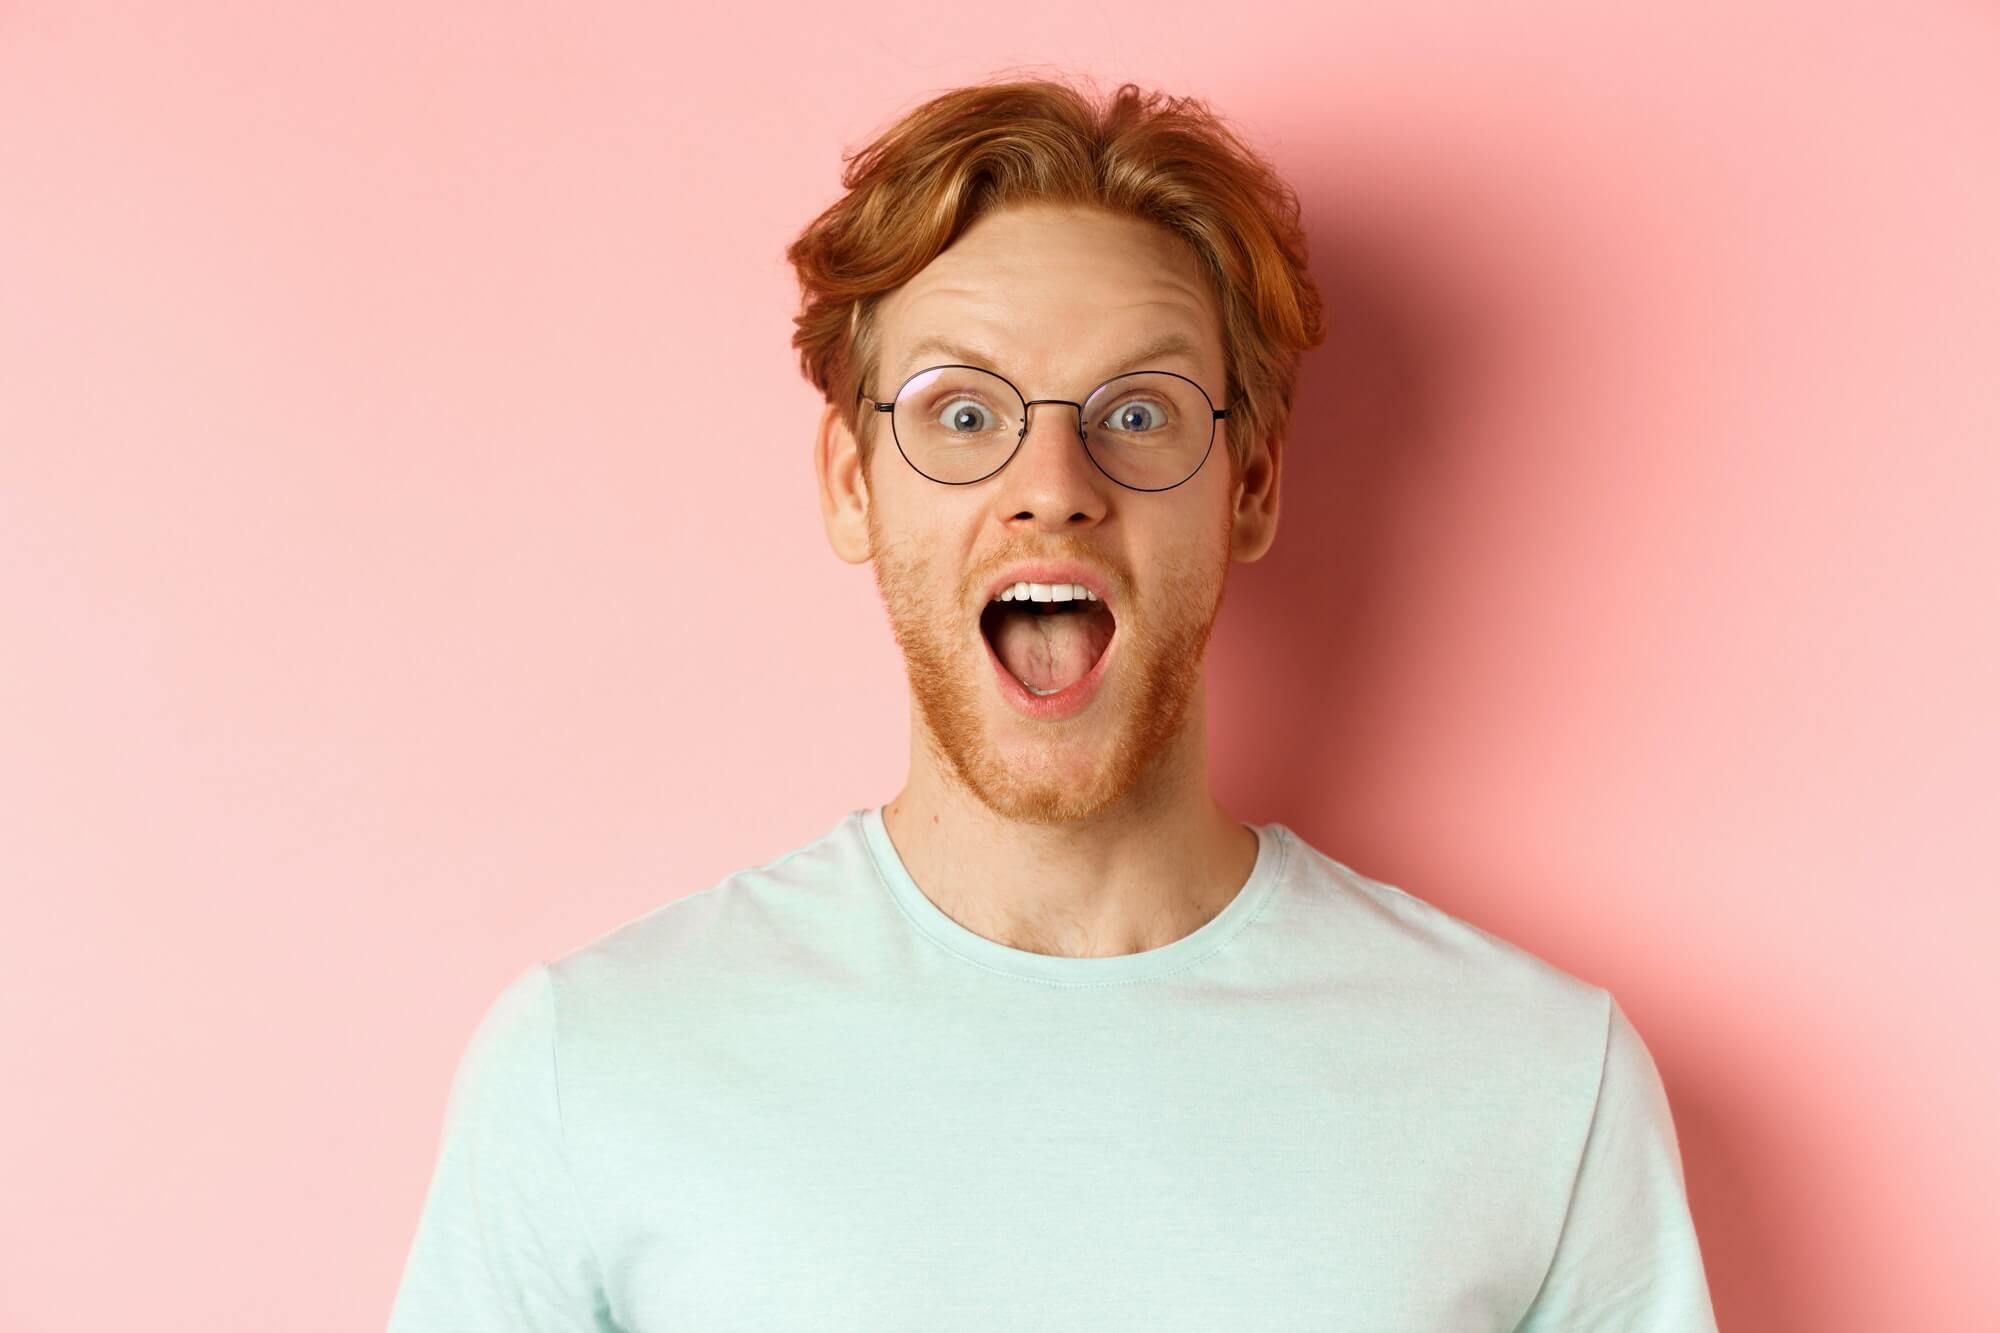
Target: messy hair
1167,160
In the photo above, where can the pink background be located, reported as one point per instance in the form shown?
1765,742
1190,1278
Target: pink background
410,567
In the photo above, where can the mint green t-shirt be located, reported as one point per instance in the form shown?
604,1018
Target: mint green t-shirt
805,1098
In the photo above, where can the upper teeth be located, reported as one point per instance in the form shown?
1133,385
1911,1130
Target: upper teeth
1045,592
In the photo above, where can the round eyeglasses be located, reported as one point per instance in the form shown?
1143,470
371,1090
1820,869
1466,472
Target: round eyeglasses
1150,430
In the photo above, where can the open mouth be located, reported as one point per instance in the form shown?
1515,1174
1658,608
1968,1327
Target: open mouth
1048,636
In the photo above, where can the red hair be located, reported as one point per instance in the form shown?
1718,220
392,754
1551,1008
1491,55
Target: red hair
1167,160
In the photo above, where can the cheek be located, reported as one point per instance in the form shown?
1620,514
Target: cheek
922,529
1196,556
918,572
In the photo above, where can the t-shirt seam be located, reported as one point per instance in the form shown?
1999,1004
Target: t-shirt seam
562,1141
727,881
1576,1171
922,928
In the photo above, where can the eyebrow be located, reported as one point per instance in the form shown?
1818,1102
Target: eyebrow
1156,349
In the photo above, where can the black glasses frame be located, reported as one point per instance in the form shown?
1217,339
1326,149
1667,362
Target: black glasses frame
1082,429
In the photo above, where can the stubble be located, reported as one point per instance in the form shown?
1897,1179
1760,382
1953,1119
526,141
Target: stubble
1160,648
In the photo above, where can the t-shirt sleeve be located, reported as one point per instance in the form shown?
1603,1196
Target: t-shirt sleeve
500,1244
1626,1259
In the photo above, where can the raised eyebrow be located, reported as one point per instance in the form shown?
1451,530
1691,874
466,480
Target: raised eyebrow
918,357
1166,345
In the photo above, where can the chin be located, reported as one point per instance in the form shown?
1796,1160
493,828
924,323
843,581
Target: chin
1040,779
1049,760
1046,800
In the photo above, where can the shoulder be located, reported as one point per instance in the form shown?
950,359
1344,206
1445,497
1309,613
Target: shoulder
694,948
1435,974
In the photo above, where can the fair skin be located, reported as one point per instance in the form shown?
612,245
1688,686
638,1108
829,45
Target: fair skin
1093,834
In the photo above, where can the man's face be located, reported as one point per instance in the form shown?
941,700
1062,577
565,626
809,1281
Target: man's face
1056,300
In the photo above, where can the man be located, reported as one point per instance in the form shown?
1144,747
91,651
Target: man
1050,1040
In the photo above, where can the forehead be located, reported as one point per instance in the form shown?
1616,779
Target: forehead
1053,295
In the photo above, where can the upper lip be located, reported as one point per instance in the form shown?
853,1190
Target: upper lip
1051,571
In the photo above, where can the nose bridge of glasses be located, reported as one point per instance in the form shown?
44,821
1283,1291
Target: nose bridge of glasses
1028,416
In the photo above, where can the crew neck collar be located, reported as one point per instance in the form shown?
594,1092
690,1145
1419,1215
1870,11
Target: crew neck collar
1273,849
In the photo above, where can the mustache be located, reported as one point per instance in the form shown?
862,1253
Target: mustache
1061,548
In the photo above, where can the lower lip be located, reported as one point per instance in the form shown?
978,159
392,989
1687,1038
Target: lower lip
1051,707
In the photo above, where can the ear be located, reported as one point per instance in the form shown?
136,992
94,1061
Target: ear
843,487
1255,499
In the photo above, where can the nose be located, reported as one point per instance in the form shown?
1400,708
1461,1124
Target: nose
1051,482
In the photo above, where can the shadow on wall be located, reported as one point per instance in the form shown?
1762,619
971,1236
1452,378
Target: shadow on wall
1314,622
1306,677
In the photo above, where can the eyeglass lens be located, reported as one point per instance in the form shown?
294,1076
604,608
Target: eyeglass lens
1149,430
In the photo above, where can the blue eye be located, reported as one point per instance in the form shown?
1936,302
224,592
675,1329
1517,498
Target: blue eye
964,417
1137,416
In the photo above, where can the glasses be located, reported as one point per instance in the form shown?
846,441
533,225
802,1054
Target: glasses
1150,430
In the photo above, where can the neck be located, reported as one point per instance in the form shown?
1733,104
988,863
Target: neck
1149,868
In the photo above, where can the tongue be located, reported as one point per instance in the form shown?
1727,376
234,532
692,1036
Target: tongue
1051,652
